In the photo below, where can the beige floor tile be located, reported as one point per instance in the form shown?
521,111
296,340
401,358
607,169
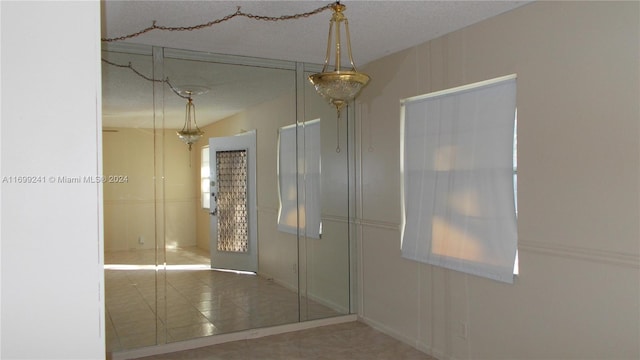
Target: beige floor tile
349,341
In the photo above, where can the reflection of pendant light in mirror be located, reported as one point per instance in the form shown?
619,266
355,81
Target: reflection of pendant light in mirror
190,132
338,86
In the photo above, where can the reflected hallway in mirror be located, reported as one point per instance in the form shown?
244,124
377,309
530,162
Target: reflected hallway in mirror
162,285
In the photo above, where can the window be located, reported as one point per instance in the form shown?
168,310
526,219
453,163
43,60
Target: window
516,265
205,178
458,176
515,162
299,179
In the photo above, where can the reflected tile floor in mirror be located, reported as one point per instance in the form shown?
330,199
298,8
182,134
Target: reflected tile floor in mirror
198,302
347,341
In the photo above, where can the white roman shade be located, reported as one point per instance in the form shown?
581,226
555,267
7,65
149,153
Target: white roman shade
457,178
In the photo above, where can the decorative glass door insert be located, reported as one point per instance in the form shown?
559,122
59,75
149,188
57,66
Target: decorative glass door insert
233,225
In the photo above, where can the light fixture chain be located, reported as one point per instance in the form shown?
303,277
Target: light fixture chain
338,131
130,67
239,12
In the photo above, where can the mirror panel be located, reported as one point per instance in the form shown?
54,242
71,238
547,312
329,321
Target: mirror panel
130,202
325,281
240,99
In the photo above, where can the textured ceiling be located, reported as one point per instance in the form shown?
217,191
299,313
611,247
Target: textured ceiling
378,28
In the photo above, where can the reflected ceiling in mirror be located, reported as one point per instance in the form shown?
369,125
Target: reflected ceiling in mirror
232,88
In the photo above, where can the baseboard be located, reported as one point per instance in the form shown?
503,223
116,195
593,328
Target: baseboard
322,301
331,305
277,281
224,338
422,346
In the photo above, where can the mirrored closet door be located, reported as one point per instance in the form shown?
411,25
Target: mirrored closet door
247,226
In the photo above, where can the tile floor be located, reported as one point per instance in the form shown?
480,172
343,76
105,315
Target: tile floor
145,307
347,341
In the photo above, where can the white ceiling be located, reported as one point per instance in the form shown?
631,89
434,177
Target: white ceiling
378,28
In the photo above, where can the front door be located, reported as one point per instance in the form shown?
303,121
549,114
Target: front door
234,226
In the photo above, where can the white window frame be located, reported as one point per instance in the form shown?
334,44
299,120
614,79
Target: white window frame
205,178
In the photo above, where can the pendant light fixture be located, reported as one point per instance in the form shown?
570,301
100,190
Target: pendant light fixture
338,86
190,132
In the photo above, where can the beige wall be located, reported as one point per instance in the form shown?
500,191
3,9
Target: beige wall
577,295
129,207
